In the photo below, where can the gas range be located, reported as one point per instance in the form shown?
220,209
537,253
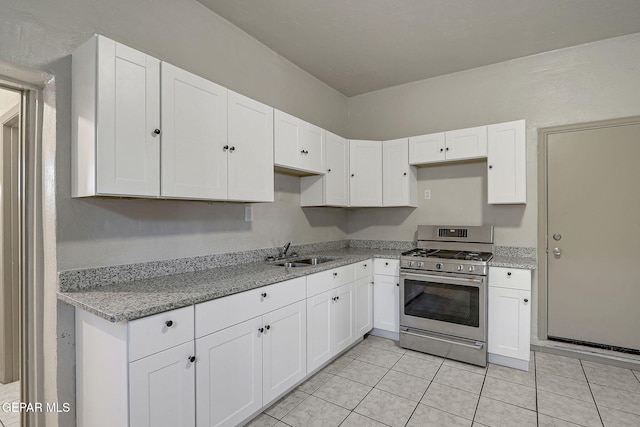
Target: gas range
465,250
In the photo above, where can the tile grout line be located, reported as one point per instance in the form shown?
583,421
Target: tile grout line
595,403
473,420
425,392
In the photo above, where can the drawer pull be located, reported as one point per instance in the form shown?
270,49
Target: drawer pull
169,323
267,327
526,300
261,330
386,263
508,273
335,274
264,295
192,359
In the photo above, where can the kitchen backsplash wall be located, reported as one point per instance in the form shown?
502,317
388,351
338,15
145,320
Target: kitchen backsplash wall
118,231
585,83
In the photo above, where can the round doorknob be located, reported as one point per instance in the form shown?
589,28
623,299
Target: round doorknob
169,323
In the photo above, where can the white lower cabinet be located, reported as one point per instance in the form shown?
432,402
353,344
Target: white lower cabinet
330,325
386,300
162,388
363,305
246,366
386,297
509,317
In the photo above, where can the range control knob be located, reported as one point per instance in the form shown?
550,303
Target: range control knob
471,268
460,267
410,264
421,264
439,266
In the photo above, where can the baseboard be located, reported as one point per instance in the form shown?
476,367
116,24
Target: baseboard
498,359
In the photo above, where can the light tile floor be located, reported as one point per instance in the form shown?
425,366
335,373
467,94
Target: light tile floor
9,393
377,383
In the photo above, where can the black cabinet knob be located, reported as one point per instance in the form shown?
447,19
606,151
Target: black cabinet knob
267,327
169,323
328,170
386,263
335,274
404,174
508,273
192,359
490,166
526,300
352,175
446,149
398,284
232,148
263,295
226,147
261,330
156,131
441,150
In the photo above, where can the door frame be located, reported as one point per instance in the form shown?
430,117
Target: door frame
543,143
39,314
11,306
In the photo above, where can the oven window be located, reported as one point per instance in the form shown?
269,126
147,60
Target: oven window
448,303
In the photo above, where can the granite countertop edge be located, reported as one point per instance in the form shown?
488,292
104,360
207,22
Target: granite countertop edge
526,263
121,302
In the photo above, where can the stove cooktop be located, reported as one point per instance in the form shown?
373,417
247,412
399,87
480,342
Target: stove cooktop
449,254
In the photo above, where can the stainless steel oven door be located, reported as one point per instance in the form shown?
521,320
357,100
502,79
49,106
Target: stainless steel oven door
452,304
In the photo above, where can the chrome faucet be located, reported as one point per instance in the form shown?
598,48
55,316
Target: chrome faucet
284,250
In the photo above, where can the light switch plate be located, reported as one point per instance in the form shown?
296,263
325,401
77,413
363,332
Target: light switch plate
427,194
248,213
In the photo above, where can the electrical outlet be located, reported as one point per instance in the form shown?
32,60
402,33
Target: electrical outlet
427,194
248,213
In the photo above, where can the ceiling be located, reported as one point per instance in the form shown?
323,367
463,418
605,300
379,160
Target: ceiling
358,46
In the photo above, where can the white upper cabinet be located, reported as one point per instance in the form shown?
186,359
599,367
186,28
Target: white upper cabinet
299,146
146,129
332,188
426,148
399,180
507,163
194,134
365,172
250,153
462,144
115,121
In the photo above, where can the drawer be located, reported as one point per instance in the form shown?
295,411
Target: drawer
388,267
159,332
326,280
512,278
217,314
364,269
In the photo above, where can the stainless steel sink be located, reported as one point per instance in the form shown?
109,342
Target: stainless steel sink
305,262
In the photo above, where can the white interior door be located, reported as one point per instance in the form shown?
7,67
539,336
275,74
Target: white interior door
593,235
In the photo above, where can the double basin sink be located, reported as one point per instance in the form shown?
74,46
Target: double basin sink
304,262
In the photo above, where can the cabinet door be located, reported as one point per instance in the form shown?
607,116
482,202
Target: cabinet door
363,306
509,322
337,170
312,149
194,133
318,330
284,345
399,180
426,148
506,163
386,309
288,133
162,389
365,168
229,380
468,143
342,318
250,159
128,112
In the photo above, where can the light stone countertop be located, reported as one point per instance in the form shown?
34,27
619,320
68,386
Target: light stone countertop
132,300
526,263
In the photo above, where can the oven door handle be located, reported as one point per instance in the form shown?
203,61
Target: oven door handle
477,346
444,279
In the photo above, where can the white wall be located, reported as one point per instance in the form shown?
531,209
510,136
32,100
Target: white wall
589,82
113,231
